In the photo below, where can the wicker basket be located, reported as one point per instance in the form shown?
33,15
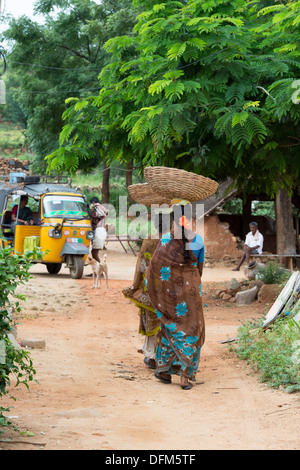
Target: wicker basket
176,183
144,194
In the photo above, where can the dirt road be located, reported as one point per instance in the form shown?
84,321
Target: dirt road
94,392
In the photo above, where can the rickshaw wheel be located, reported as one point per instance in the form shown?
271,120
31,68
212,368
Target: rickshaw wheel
76,270
53,268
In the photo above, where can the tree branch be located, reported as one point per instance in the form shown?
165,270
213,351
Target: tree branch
83,56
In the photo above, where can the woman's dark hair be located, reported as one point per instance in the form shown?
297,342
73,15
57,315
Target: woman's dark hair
178,212
163,222
95,200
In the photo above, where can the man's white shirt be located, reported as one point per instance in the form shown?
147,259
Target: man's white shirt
254,240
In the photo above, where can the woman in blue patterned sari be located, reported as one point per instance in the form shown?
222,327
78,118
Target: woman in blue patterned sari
174,284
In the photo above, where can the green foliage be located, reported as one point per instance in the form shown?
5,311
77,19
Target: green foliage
272,353
11,111
234,206
11,141
58,59
211,81
116,189
266,208
14,362
273,274
263,208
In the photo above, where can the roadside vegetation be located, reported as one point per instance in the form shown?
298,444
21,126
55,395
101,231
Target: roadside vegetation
274,353
16,366
12,141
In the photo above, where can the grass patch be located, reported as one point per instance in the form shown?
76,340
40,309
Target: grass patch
273,273
12,140
273,353
90,180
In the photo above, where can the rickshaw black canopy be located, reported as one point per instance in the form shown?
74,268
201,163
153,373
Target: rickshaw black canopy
32,190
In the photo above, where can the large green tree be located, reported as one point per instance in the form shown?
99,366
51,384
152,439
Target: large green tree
203,85
59,58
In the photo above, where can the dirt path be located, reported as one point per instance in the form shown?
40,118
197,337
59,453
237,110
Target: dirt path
94,392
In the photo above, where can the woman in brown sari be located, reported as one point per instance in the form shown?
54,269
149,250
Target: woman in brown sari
149,324
173,281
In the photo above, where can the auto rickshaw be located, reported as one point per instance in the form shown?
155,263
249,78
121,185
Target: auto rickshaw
60,226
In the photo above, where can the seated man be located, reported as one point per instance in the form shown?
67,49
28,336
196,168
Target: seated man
25,216
253,245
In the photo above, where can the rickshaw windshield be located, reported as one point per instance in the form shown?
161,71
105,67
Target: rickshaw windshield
64,206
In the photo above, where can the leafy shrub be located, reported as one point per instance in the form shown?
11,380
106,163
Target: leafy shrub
14,270
273,273
273,353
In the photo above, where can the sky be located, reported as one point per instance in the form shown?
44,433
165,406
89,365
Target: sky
18,7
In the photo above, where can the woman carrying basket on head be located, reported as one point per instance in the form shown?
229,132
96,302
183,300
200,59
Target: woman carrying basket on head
173,281
149,324
173,278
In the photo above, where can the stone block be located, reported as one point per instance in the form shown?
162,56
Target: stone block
33,343
232,286
225,296
268,293
246,297
257,283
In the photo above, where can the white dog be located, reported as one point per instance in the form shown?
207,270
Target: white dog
98,270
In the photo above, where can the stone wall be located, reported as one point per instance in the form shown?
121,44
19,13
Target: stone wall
220,243
11,165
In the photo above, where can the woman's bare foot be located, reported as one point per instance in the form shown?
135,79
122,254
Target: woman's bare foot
185,384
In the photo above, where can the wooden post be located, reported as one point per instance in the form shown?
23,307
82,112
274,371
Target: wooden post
285,238
129,170
105,183
297,230
246,217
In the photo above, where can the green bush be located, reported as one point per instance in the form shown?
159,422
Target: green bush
14,270
273,353
273,273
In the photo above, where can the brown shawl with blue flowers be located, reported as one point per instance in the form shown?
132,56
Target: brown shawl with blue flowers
174,286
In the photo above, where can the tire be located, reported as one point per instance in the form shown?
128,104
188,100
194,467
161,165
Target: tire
76,270
53,268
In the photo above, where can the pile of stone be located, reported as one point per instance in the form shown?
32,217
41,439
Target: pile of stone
11,165
229,292
247,292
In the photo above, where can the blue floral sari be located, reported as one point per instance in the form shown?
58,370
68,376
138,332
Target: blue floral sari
174,286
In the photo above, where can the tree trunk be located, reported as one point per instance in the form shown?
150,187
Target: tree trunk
246,219
285,238
297,231
105,184
129,170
